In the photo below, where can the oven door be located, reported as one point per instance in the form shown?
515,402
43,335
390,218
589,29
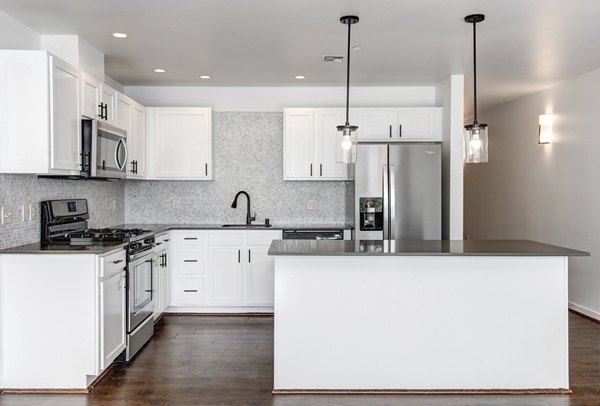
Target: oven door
139,289
111,151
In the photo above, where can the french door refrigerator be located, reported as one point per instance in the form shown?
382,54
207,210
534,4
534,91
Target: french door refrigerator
398,191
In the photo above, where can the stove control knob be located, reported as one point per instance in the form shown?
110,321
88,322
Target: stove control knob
133,246
149,240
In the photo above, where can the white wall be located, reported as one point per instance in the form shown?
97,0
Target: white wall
16,35
548,193
450,96
276,98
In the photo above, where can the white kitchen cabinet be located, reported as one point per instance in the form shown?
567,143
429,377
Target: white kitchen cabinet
112,318
187,270
91,96
181,143
136,142
40,114
259,276
161,275
124,112
224,278
74,308
232,267
310,144
399,124
376,124
298,144
109,99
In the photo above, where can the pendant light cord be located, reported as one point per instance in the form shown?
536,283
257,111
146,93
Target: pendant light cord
348,79
474,73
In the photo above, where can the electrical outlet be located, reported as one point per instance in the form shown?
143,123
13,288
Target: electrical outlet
176,203
30,212
114,205
311,204
6,213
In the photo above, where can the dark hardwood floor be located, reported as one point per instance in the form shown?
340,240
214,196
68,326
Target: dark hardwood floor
195,360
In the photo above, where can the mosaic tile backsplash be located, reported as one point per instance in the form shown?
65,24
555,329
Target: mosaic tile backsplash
247,155
16,190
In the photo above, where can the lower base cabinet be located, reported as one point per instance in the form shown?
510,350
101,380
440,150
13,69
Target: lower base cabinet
112,318
62,318
222,271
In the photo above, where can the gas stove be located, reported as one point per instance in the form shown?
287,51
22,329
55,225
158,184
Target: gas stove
65,222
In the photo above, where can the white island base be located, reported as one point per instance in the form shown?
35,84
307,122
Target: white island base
440,324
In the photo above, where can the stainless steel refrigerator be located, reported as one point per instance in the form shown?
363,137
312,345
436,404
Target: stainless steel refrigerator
398,191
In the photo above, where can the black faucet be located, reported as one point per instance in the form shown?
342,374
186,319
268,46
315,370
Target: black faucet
249,218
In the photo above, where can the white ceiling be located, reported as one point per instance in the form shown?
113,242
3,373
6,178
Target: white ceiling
523,45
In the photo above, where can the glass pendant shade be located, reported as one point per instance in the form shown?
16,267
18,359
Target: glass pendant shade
345,144
476,143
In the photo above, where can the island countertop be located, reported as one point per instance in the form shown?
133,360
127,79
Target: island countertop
419,248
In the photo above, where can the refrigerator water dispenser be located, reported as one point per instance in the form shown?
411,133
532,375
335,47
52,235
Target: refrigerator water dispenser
371,213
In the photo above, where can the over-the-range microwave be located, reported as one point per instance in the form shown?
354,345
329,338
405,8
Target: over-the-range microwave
104,150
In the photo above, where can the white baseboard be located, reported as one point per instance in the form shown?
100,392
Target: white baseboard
241,310
584,310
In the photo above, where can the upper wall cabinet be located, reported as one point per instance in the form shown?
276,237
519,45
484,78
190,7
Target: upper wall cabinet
399,124
180,143
309,144
99,101
136,142
39,114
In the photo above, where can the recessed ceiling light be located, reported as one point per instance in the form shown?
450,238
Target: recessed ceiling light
204,76
299,77
159,70
119,35
357,48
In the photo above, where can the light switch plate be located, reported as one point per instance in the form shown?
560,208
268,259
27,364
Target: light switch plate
30,212
22,213
176,203
311,204
6,214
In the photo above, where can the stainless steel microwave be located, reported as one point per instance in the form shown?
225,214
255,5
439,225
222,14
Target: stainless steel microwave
104,152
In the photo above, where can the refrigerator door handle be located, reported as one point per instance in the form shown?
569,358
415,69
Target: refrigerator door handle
392,192
386,220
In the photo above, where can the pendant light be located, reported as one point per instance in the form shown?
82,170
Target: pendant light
476,134
346,137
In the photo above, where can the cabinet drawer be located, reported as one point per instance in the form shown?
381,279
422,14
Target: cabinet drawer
189,290
190,237
262,238
225,238
190,261
112,263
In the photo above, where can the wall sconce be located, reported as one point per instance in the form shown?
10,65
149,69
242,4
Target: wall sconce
545,129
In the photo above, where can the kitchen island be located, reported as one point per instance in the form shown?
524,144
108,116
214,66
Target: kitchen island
421,316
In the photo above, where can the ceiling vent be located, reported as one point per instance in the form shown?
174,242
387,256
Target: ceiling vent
333,58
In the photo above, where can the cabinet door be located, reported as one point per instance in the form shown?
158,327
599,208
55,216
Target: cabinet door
90,96
299,144
109,97
165,278
124,112
112,318
376,124
259,276
136,142
327,122
182,143
419,124
224,276
65,120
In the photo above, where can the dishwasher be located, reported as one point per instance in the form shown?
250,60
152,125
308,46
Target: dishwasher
314,234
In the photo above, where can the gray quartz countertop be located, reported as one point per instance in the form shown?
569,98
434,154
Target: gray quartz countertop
420,248
39,248
102,248
159,228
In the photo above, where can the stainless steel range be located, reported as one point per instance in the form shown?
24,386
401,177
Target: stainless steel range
65,222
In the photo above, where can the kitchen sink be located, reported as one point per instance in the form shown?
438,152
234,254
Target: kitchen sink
246,226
